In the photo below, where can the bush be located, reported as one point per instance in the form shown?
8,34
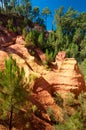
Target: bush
70,123
10,24
24,33
51,114
30,39
77,120
69,99
40,40
82,107
72,50
58,99
49,56
83,68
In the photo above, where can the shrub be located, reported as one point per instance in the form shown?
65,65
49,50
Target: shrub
24,33
10,24
40,40
51,114
72,51
83,68
69,99
30,39
82,107
49,56
58,99
70,123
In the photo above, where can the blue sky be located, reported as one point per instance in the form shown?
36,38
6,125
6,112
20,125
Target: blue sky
79,5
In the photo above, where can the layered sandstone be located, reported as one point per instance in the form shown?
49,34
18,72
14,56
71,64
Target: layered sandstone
67,78
63,79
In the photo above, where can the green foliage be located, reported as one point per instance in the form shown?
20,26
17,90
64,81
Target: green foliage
13,95
77,36
51,114
58,99
72,50
58,15
41,40
10,24
83,68
83,48
51,43
46,12
49,56
82,108
31,38
35,13
34,38
70,99
70,32
72,123
76,120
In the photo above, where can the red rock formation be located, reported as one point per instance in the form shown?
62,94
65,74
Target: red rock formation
63,80
42,97
39,124
40,54
67,78
60,58
3,56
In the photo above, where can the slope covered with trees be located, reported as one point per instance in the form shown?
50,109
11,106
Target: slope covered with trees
69,36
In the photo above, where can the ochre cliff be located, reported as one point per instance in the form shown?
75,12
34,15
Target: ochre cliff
66,77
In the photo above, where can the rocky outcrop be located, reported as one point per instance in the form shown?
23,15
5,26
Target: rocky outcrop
67,78
23,58
42,97
60,58
63,79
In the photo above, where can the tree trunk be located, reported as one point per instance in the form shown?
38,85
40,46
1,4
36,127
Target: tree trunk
11,117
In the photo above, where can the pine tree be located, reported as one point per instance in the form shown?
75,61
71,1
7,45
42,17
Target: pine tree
46,12
35,13
13,94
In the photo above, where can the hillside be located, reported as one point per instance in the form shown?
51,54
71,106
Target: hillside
63,77
42,72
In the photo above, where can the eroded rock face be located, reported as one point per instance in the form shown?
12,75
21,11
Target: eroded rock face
67,77
21,55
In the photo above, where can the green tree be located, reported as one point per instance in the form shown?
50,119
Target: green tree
70,32
13,94
46,12
58,16
26,8
72,50
41,40
13,4
32,38
35,13
82,107
83,49
83,68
